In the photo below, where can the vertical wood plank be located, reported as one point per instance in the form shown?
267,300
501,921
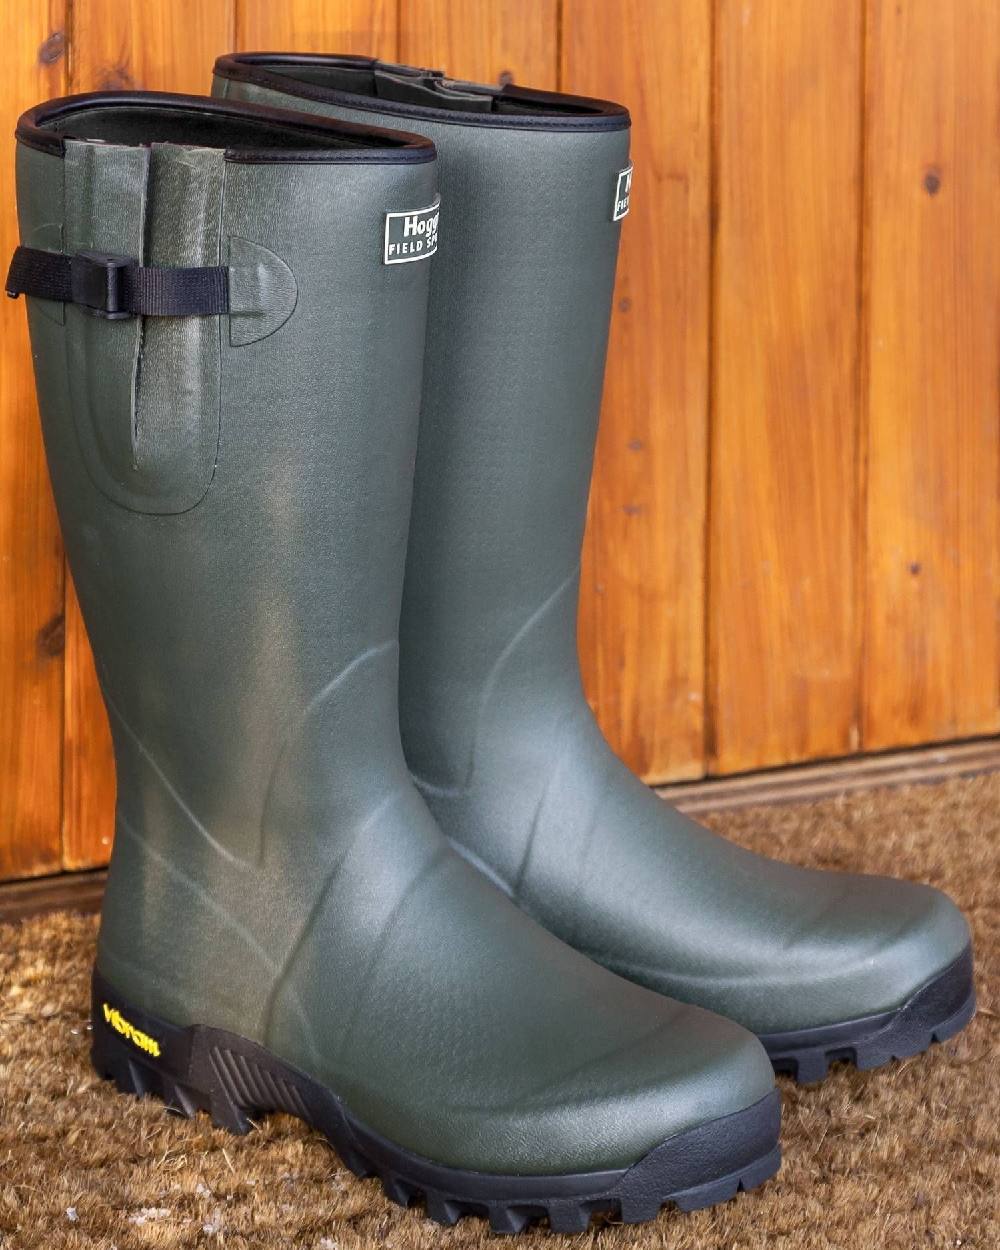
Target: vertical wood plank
162,45
155,45
483,40
783,626
89,771
359,27
642,596
932,666
31,563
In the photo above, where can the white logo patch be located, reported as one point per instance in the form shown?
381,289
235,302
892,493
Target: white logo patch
413,235
623,188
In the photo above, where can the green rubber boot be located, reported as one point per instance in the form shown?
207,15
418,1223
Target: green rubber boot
496,730
228,362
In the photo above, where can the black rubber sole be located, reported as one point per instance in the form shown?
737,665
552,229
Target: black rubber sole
934,1013
236,1081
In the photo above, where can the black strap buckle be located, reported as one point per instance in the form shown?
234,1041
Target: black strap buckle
114,287
97,280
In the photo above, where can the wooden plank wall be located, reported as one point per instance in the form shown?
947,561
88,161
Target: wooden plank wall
642,628
932,331
793,544
783,483
31,563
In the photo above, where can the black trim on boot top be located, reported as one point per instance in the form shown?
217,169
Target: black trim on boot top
249,133
237,1080
937,1011
507,108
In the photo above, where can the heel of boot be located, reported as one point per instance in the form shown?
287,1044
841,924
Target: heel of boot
146,1056
236,1079
113,1060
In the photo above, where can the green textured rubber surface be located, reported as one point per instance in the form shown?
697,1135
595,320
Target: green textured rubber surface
496,729
237,1081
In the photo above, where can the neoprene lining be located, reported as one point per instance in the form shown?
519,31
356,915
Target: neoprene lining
420,94
249,133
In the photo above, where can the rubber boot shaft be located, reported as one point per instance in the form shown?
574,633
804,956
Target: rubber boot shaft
234,492
496,729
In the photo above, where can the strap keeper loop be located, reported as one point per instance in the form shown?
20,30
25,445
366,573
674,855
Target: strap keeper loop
97,283
114,287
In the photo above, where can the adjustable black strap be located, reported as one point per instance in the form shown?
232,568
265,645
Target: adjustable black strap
117,286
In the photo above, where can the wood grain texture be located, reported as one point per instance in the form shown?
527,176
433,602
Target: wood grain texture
642,594
68,891
784,638
932,665
31,562
155,45
359,27
483,40
89,773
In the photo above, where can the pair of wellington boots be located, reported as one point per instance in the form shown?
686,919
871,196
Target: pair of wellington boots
374,864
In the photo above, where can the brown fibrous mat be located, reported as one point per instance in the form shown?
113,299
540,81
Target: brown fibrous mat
907,1156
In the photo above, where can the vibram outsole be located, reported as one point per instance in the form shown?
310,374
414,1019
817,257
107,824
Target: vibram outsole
237,1081
936,1012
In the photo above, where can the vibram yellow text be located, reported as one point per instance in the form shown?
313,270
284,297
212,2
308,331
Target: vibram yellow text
136,1036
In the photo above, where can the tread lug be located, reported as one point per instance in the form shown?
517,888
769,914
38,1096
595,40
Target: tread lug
440,1209
504,1219
356,1163
639,1208
134,1079
397,1190
568,1217
179,1099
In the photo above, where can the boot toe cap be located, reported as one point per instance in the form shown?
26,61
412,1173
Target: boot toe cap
876,943
695,1068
